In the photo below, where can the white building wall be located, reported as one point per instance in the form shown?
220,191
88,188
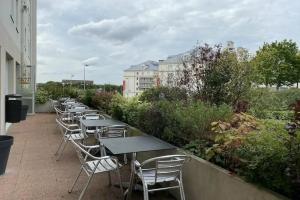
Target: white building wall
169,73
16,49
132,81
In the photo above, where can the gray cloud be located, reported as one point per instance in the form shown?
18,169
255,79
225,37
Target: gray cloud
123,33
119,29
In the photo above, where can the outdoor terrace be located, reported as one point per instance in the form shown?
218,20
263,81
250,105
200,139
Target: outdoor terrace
33,173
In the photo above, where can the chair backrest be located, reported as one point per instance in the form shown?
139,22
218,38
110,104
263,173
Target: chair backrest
93,116
66,128
113,131
167,168
70,101
84,154
54,103
79,107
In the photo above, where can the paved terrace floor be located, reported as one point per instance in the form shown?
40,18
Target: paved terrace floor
33,173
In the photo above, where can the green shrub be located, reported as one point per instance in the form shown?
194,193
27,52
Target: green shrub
267,104
41,96
164,93
102,100
88,97
266,158
179,122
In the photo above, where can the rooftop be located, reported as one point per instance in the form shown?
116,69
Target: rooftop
145,66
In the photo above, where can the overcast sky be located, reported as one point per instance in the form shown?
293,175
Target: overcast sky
114,34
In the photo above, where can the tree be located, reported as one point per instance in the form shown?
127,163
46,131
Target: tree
217,76
275,63
195,65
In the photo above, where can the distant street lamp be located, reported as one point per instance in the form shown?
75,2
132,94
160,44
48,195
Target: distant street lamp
84,66
86,63
71,81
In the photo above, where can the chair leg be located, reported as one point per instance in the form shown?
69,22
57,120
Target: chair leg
71,190
109,178
62,141
120,180
85,187
146,194
125,159
61,152
181,190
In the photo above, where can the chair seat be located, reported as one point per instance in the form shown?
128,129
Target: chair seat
75,136
104,165
149,177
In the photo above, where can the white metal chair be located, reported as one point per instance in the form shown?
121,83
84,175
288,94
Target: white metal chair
69,132
62,115
167,169
112,132
93,165
92,116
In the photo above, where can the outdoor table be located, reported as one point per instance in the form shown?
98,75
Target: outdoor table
100,123
79,110
134,145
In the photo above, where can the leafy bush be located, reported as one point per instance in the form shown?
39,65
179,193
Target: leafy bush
88,97
267,104
41,96
164,93
102,100
179,122
266,157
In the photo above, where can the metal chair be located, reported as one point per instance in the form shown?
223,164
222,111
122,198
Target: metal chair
112,132
168,169
92,116
93,165
69,132
62,115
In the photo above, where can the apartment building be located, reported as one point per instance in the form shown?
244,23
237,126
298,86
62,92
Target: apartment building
17,53
170,68
140,77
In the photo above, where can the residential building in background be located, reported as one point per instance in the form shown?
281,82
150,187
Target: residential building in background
17,53
140,77
169,69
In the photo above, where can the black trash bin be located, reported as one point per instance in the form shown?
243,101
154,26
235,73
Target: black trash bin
5,144
13,108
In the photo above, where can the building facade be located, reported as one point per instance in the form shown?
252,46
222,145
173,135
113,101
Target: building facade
17,53
140,77
169,69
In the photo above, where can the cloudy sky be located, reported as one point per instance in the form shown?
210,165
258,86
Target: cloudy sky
114,34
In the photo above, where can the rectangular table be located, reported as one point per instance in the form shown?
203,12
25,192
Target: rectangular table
76,110
134,145
101,123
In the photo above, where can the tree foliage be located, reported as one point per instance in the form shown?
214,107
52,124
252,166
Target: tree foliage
276,63
215,75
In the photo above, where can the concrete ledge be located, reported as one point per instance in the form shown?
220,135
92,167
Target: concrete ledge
206,181
44,108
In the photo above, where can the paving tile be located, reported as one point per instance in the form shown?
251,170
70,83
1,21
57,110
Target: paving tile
34,174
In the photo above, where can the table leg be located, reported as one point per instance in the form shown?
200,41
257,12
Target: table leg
129,190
